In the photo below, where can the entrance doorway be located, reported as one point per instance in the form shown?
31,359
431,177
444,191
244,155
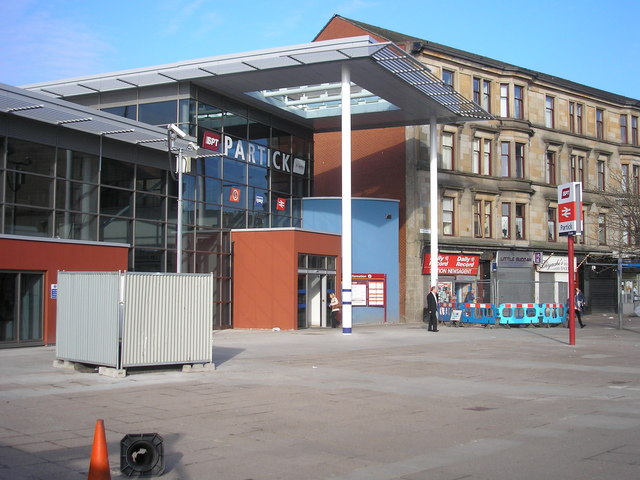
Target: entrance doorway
316,280
21,302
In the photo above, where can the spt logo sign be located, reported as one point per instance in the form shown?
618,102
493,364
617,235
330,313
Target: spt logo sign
211,141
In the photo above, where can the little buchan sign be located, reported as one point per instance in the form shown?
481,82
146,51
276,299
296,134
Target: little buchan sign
253,153
570,209
452,264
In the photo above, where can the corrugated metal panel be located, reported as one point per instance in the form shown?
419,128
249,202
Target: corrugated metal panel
168,319
87,317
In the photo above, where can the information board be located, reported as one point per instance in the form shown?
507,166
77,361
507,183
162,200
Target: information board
368,289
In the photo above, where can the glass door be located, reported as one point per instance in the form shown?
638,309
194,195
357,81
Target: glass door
21,304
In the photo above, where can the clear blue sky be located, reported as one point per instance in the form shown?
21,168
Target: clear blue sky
591,42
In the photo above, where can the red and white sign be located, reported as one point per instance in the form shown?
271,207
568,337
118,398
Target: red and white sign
570,209
281,204
211,141
234,195
368,289
452,264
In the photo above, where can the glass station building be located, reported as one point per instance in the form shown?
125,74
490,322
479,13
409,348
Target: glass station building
88,165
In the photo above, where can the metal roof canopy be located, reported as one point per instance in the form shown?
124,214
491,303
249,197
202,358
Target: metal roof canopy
53,111
389,86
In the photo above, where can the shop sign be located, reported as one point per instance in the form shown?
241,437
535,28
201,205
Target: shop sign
253,153
553,263
452,264
511,259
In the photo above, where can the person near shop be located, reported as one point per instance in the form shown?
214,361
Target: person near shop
335,309
470,296
432,309
578,304
578,307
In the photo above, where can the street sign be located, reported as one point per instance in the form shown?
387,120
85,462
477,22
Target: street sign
570,209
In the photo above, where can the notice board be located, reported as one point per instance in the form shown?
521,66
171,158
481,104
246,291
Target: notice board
369,290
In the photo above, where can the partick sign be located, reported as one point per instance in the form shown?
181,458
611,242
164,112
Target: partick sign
254,153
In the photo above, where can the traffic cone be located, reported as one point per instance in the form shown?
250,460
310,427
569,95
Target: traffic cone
99,465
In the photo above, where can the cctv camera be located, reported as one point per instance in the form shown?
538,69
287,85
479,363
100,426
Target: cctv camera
177,131
192,146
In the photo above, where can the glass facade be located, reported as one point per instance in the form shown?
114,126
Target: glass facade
50,191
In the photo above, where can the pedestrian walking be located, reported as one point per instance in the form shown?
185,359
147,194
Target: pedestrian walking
432,309
578,304
335,308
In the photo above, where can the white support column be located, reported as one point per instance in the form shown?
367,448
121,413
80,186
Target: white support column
346,201
433,199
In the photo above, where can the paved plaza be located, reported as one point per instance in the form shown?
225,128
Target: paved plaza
389,402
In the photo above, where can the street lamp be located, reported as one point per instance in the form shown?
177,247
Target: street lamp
172,133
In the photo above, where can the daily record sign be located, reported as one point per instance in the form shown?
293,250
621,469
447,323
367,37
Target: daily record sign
570,209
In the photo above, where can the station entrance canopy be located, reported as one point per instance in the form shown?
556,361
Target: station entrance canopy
302,84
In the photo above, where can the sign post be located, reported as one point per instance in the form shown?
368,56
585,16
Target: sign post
570,225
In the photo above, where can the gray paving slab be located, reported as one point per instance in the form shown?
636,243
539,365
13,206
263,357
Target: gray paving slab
390,402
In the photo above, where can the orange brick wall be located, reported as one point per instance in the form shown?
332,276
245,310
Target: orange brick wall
50,257
265,274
